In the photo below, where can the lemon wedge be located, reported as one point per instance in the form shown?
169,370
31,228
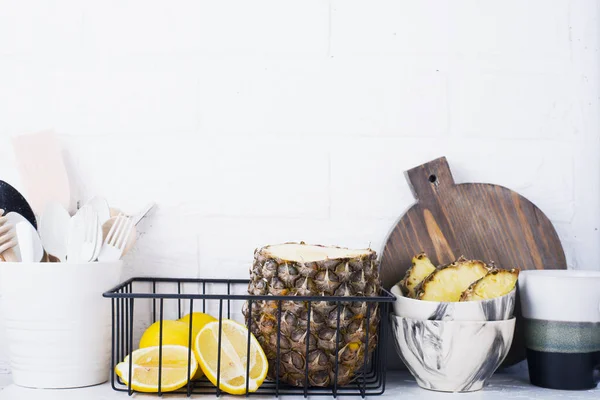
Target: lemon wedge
198,321
144,368
234,337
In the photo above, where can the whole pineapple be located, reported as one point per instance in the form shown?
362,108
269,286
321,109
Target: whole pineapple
297,269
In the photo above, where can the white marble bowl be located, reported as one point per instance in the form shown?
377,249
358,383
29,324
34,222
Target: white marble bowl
500,308
452,356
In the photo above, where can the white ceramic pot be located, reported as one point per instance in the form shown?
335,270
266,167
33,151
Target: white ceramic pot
452,356
561,320
58,325
500,308
560,295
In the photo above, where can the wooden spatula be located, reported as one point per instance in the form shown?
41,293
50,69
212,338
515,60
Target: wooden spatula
42,170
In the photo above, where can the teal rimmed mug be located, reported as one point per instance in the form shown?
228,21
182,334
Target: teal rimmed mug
561,311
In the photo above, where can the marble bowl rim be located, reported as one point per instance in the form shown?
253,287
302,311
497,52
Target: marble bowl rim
452,322
430,302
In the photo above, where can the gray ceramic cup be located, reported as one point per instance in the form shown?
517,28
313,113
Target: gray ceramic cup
561,311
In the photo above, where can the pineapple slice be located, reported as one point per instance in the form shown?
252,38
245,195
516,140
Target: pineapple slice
497,283
420,269
448,283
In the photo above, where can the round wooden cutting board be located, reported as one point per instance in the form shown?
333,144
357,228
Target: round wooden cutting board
476,220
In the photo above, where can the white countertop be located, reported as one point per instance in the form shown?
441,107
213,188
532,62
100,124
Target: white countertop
510,384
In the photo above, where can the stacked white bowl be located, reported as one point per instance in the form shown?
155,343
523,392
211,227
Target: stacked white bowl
453,346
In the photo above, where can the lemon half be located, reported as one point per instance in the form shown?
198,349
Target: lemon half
234,348
198,321
144,368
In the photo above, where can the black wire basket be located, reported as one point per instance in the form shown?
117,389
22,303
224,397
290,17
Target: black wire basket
138,302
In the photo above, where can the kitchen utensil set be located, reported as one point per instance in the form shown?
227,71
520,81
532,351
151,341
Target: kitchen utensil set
89,235
84,237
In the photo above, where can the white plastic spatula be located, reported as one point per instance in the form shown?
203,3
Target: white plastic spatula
99,239
54,228
100,205
29,242
82,239
42,170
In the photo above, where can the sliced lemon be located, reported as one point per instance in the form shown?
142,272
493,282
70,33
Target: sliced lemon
234,337
198,321
144,368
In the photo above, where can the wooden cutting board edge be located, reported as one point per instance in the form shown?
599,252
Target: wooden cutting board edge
388,286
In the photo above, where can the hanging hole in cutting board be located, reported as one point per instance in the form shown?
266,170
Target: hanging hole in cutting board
433,178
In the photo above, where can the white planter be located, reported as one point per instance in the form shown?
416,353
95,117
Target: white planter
58,325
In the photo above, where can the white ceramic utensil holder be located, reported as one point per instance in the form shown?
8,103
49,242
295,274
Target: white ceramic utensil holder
58,325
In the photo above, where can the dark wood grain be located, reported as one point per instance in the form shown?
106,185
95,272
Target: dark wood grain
476,220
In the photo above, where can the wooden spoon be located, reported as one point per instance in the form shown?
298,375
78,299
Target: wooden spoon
8,239
49,258
10,249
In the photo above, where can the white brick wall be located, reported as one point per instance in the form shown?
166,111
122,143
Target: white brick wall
253,122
